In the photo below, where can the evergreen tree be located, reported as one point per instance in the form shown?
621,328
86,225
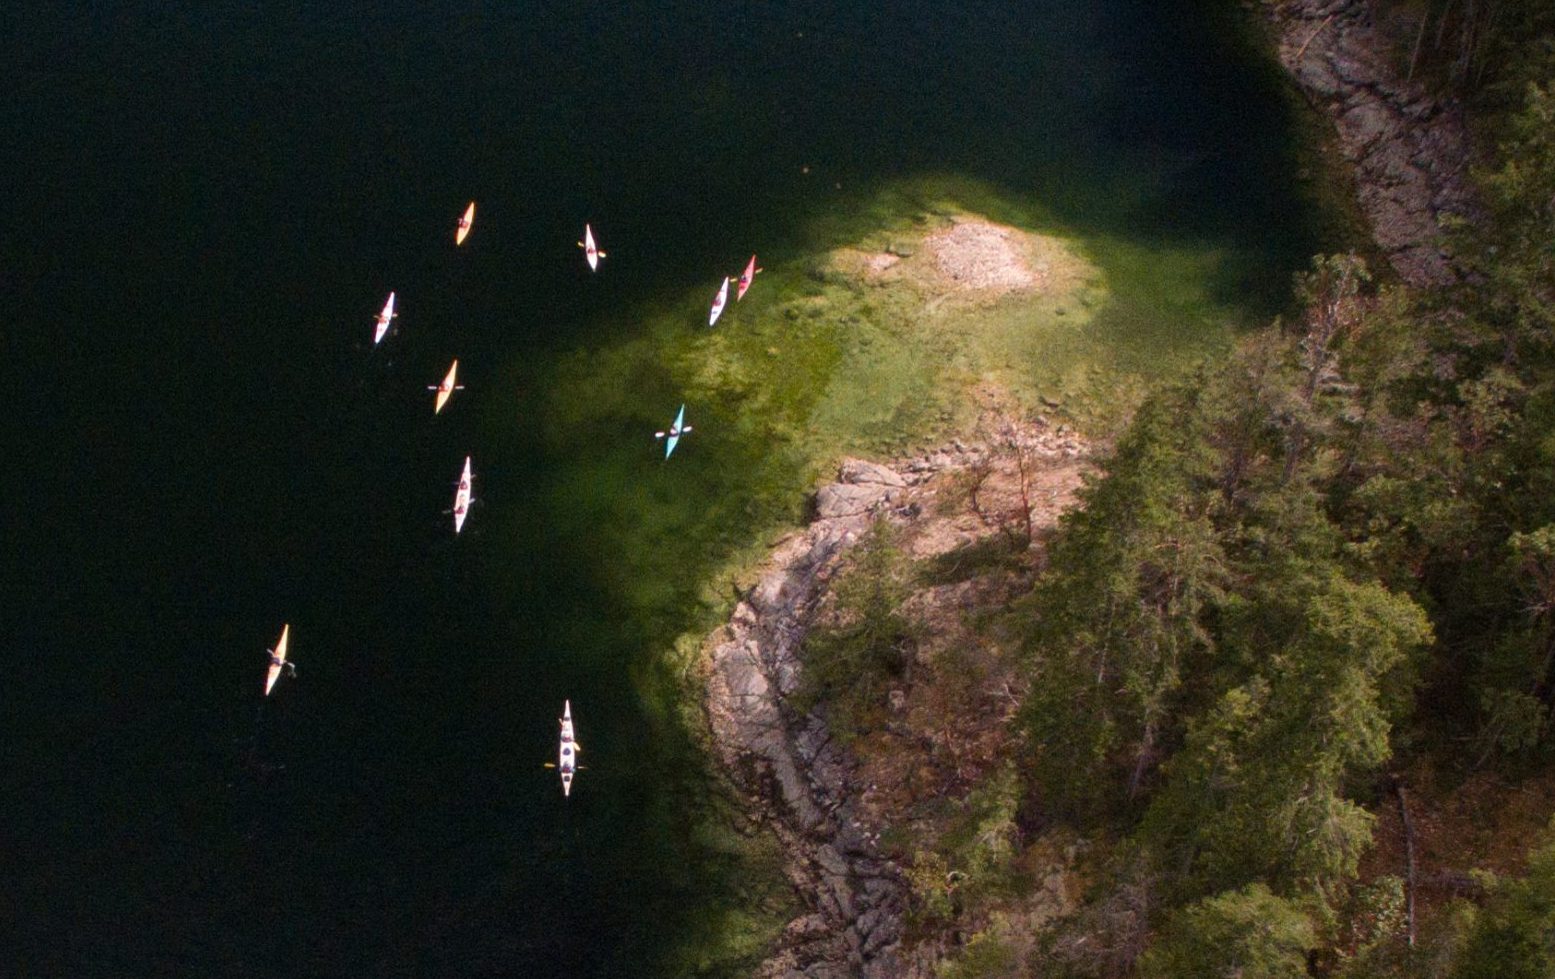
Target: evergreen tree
1514,938
1257,793
1118,613
1244,934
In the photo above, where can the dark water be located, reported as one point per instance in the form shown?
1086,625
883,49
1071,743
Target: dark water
204,207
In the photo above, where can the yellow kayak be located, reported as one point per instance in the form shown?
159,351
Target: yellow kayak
463,230
278,659
446,389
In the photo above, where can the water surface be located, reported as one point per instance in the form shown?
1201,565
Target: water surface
205,208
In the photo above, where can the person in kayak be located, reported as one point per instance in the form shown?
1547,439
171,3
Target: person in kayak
287,666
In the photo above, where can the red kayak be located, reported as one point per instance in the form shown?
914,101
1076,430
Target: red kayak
746,277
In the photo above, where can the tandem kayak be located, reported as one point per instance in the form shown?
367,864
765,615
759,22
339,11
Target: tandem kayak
462,497
567,755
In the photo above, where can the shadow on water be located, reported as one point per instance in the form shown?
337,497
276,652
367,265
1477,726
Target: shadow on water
223,196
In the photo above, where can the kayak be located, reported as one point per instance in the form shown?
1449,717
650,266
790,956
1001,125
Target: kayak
278,658
462,497
463,230
676,430
567,761
718,302
446,389
384,317
591,252
746,278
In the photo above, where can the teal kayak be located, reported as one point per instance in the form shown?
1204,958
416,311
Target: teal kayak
676,430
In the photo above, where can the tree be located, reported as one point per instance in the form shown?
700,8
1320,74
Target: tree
1330,294
1514,938
1517,263
850,665
1118,613
1244,934
1257,793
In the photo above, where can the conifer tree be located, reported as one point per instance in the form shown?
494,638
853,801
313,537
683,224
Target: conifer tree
1514,938
1118,613
1257,793
1248,934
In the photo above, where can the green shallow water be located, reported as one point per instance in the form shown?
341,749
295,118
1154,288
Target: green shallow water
814,365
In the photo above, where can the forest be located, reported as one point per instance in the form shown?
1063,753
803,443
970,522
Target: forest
1312,583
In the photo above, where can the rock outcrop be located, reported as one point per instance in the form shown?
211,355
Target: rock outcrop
798,780
796,774
1410,149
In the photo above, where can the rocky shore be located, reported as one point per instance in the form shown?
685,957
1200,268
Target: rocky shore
1409,149
810,789
829,802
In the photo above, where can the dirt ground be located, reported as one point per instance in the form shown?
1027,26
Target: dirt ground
972,258
1483,822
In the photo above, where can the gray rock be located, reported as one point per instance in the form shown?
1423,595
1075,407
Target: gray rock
836,500
1411,149
878,927
806,926
1369,122
827,856
859,471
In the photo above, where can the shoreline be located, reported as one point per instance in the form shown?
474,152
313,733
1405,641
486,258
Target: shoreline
822,799
979,310
1407,150
1408,154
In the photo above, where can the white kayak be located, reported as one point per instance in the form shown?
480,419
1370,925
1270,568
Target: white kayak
382,325
446,389
719,301
567,759
746,278
278,659
675,431
463,231
591,252
462,497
